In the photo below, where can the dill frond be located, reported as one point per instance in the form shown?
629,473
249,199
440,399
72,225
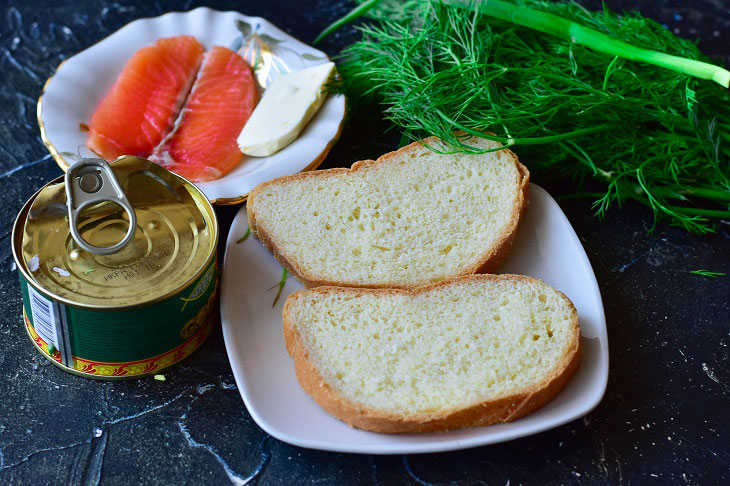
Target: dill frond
707,273
282,282
244,237
644,133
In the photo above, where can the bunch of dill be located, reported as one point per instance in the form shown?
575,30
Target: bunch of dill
642,132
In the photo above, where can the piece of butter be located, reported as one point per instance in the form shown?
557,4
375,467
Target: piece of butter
284,110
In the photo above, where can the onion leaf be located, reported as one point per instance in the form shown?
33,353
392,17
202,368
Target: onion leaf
355,13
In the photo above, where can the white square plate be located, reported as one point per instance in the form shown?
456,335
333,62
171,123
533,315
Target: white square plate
546,247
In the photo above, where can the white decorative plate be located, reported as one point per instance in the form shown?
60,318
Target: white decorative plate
72,94
546,247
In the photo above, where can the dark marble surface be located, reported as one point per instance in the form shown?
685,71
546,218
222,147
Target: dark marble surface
663,420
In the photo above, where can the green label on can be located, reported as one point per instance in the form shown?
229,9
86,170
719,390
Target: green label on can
109,343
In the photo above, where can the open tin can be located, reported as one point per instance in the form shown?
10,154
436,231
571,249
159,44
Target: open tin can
117,267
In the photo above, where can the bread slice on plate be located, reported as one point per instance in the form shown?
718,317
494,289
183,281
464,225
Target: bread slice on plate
410,218
464,352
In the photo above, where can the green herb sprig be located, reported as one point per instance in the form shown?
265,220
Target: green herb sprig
244,237
641,132
707,273
282,282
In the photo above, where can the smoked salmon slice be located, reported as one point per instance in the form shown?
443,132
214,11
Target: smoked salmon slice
203,146
140,109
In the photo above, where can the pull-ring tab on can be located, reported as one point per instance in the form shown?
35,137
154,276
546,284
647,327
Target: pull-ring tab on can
92,181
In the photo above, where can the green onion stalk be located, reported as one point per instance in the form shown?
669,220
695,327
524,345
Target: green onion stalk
579,34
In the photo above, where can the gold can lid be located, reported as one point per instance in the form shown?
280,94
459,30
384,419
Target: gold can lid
174,238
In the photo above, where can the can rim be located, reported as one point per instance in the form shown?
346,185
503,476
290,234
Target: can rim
16,240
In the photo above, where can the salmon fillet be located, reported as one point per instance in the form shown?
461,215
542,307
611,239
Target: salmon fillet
203,146
140,109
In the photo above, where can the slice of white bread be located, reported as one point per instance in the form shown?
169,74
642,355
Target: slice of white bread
410,218
464,352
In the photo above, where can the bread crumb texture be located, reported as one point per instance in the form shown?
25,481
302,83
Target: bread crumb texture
430,352
412,218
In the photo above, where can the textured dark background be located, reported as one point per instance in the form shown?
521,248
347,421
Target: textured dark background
663,420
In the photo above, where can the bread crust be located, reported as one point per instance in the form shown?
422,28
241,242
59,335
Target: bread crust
495,410
491,258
